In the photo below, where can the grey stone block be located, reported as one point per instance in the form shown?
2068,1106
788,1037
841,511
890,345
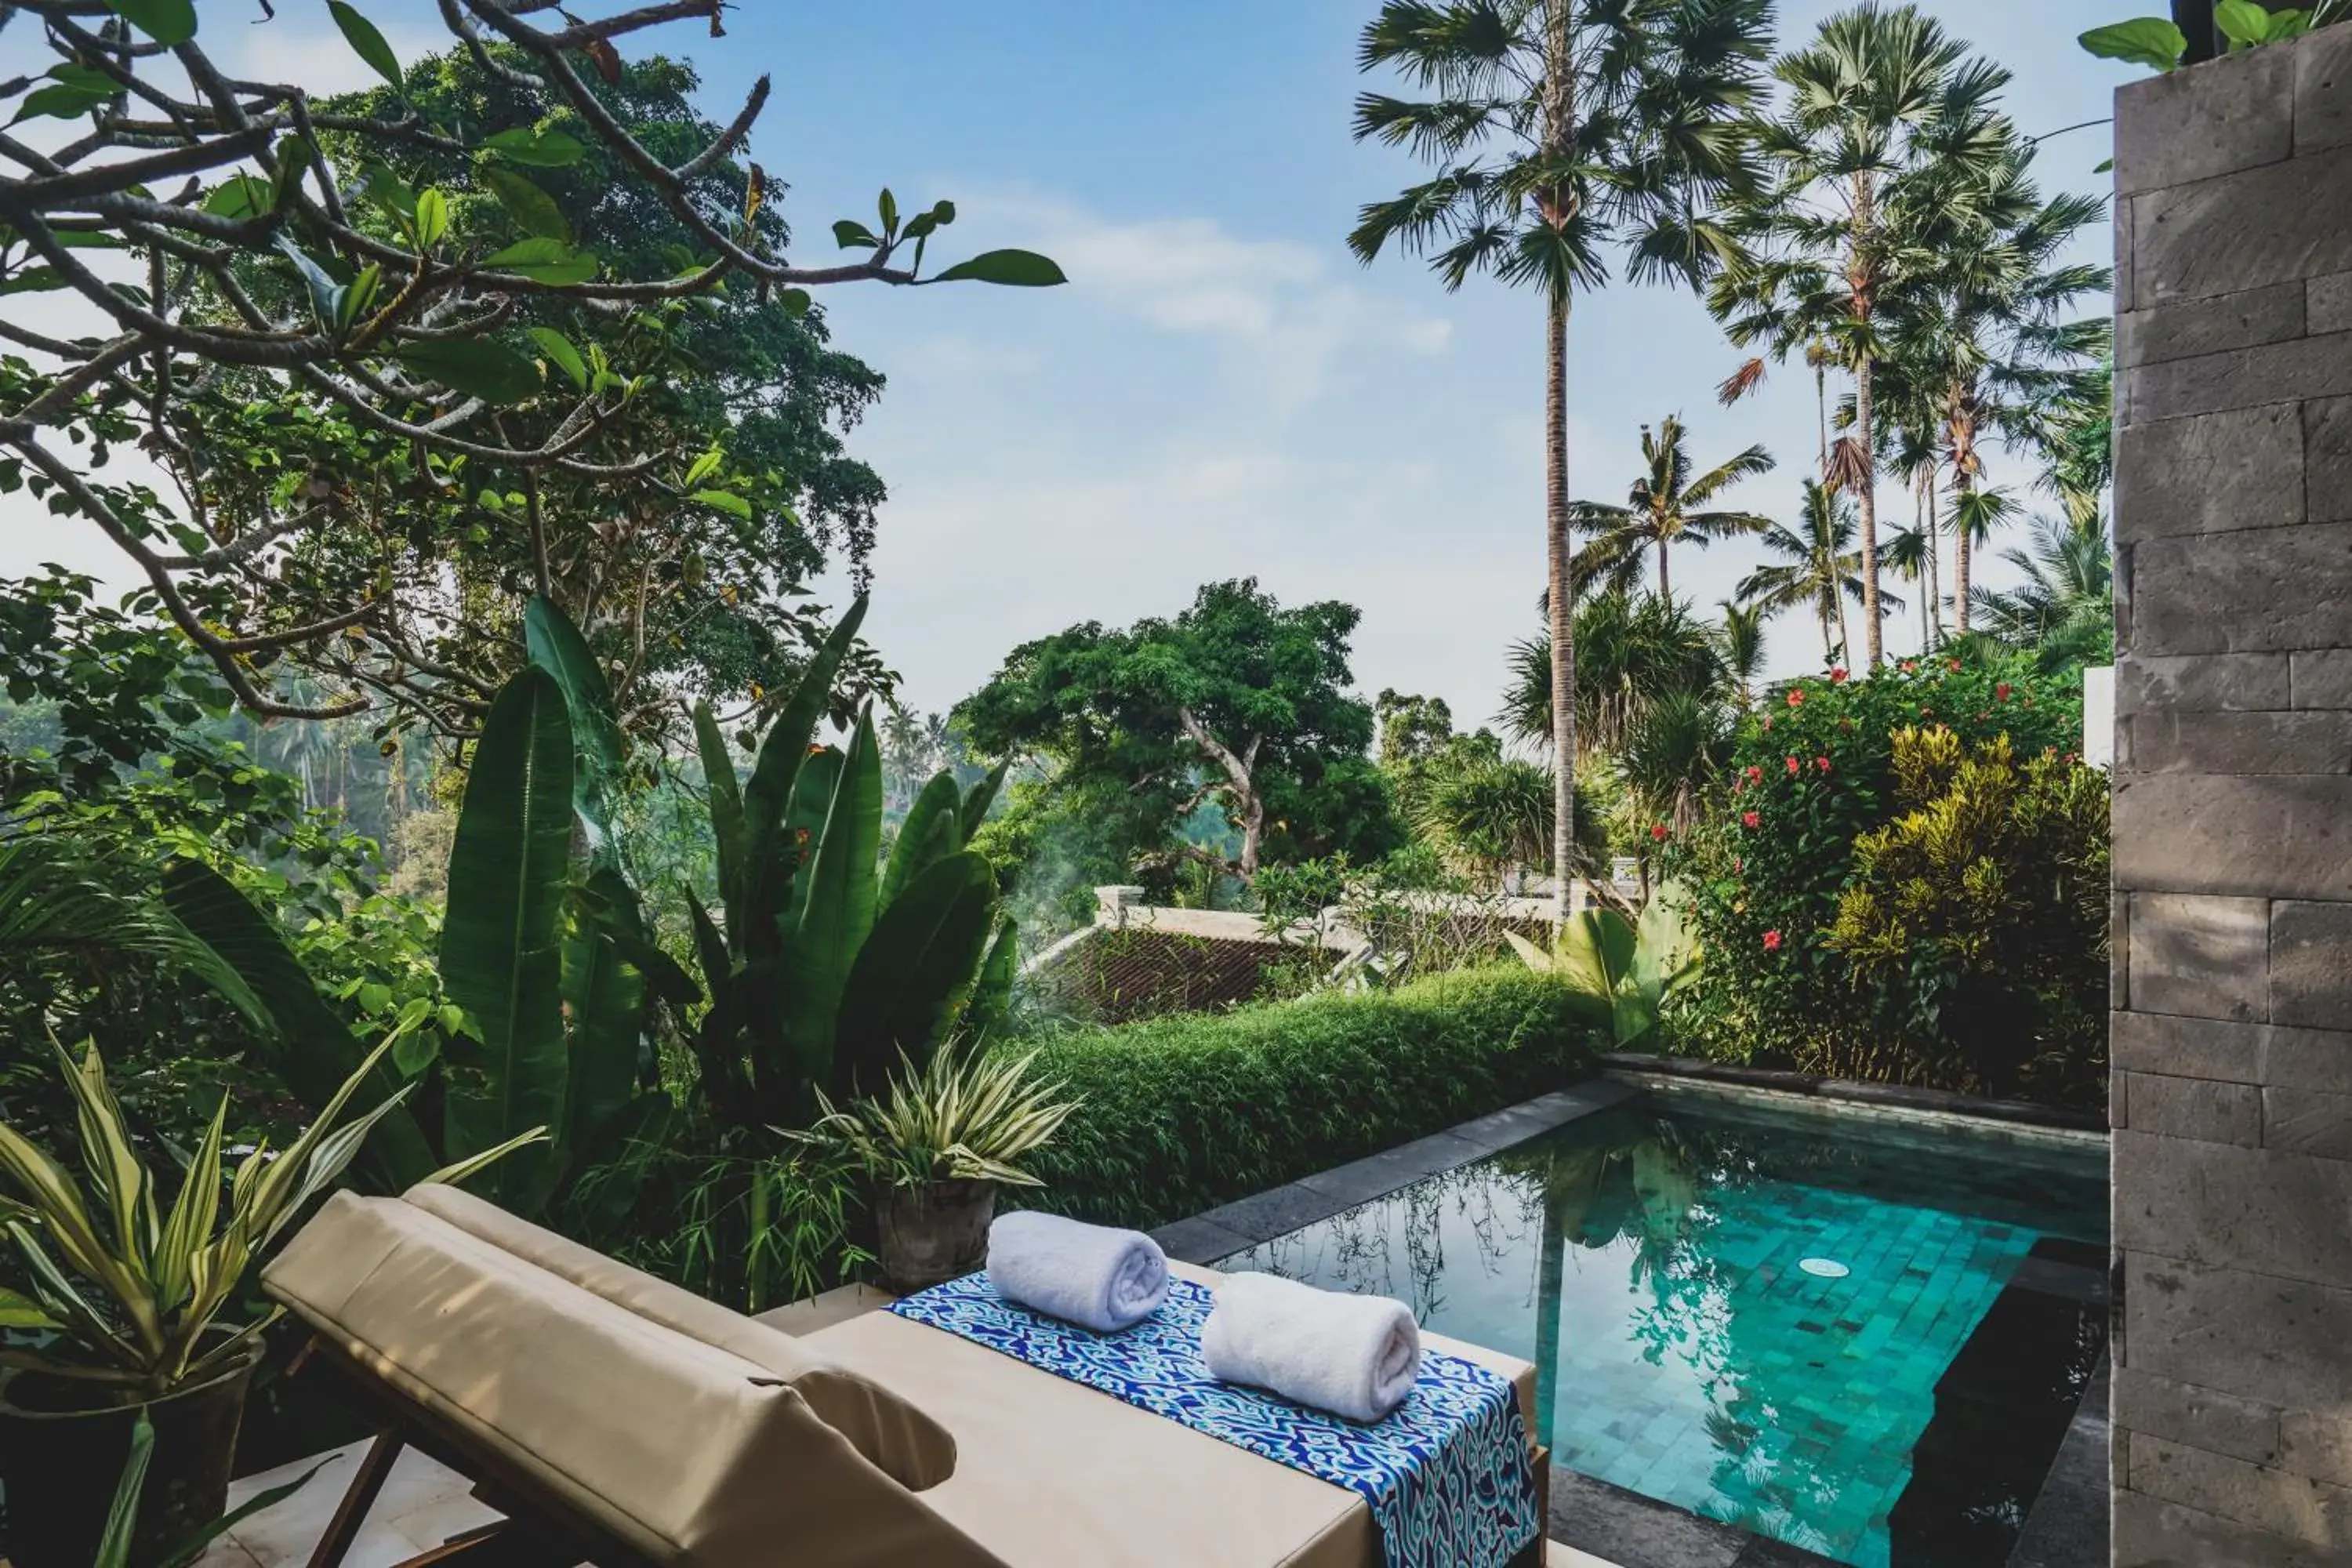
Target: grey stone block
2200,955
2265,226
1197,1240
2312,1511
2311,964
2328,457
2151,1532
2184,1413
2184,1048
2209,473
2225,1207
2268,591
2245,378
2306,1059
2124,271
2328,303
2321,677
2282,835
2308,742
1279,1211
2205,683
2267,315
2323,91
2194,1108
1360,1180
2313,1121
2193,125
2317,1445
2119,950
2118,1102
2277,1341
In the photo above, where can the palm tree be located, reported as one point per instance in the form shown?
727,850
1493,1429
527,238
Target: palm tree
1562,130
1910,554
1681,743
1636,650
1819,569
1661,509
1739,647
2063,610
1881,96
1980,341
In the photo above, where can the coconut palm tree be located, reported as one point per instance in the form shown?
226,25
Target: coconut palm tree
1880,95
1661,509
1819,569
2063,608
1910,554
1982,339
1563,131
1739,647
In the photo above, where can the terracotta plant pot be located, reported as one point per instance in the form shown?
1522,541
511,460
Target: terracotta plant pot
62,1461
927,1236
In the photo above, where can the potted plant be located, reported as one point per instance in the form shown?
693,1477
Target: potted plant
935,1148
125,1323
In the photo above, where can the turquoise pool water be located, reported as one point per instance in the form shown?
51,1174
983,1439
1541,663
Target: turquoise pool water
1822,1330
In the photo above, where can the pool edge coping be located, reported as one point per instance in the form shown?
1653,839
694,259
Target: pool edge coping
2022,1120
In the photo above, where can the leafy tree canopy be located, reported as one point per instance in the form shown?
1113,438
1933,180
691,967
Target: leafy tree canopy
1237,701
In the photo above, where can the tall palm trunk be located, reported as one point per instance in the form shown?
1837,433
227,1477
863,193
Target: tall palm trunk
1868,485
1664,593
1960,515
1559,112
1935,566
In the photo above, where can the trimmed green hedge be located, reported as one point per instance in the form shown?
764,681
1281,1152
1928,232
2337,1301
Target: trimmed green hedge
1184,1113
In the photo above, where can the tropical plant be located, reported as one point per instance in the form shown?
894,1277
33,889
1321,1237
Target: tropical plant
1634,650
133,1294
832,965
2198,29
1562,130
1979,340
1660,511
1623,971
1740,648
965,1116
1819,569
1880,95
1672,754
1491,815
122,1515
2062,610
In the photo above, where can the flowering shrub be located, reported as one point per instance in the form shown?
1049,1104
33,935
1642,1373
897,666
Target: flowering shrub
1813,775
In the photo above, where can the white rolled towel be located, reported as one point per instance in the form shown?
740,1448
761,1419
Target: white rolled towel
1352,1356
1092,1274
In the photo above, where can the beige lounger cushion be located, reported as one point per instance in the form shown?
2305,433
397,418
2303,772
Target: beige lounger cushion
691,1454
1051,1474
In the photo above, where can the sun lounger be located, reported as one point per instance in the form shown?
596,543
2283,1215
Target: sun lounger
618,1420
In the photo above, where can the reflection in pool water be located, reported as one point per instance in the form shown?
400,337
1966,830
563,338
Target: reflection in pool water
1655,1262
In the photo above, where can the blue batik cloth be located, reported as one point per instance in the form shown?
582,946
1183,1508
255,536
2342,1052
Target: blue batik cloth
1447,1473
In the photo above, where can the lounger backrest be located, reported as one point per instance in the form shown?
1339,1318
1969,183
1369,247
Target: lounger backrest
906,1445
689,1453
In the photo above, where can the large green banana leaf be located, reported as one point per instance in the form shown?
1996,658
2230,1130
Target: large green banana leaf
606,996
601,762
836,911
725,794
933,830
308,1048
501,957
916,971
979,797
992,993
768,793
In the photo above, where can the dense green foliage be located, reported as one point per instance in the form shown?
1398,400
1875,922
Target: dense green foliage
1813,778
1180,1114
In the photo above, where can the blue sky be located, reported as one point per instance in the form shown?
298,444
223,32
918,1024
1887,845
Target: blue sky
1220,389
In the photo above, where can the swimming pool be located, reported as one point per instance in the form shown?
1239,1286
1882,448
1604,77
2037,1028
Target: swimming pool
1862,1339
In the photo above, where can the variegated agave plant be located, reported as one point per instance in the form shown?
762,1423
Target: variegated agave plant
129,1293
966,1116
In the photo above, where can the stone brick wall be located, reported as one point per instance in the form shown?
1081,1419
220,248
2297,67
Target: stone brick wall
2232,1037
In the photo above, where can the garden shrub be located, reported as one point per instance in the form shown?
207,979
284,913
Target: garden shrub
1181,1114
1813,777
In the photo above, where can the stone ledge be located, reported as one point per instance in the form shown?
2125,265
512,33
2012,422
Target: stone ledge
1670,1072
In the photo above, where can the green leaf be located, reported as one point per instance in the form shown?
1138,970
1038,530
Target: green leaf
888,206
308,1046
238,197
606,996
536,149
992,993
613,909
768,795
366,42
559,349
476,367
432,216
501,959
2243,22
544,261
1015,269
705,466
983,795
851,234
2144,40
533,209
725,500
326,294
60,100
114,1544
19,1310
189,1549
837,910
168,22
555,645
932,831
914,971
34,280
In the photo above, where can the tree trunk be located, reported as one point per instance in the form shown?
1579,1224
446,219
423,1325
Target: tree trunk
1868,486
1249,805
1560,120
1961,557
1664,593
1935,567
1821,415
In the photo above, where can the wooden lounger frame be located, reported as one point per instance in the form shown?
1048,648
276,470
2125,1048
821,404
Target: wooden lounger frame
540,1530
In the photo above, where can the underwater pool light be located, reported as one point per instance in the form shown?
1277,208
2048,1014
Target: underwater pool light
1824,1267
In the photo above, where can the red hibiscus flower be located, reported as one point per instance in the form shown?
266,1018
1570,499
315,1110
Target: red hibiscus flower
1823,763
1796,697
1955,667
2001,693
1910,666
1794,766
1838,674
1751,819
1755,774
1771,941
1658,831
